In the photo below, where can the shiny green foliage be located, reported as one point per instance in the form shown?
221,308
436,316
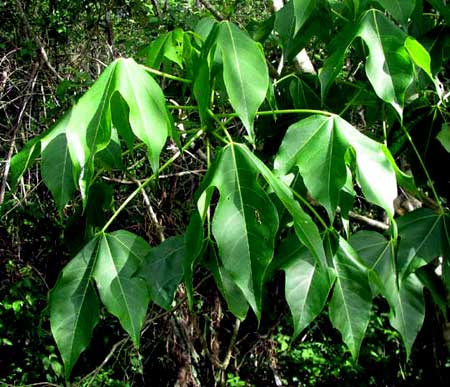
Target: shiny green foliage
272,199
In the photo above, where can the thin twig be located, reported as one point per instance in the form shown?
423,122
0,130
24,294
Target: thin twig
32,82
38,41
369,221
153,217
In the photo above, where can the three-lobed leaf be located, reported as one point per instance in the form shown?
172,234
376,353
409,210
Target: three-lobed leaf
163,271
307,283
405,296
317,146
74,306
351,301
119,256
111,260
244,224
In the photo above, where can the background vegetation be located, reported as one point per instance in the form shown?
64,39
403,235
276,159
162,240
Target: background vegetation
53,51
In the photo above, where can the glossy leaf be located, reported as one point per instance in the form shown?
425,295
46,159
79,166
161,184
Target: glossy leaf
305,228
125,296
422,239
56,169
155,51
244,72
406,302
401,10
244,224
74,307
444,137
302,11
148,117
89,127
24,159
307,283
317,146
335,61
351,301
234,297
379,256
408,311
388,66
162,269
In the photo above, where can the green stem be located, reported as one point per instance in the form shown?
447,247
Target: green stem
277,81
282,111
350,103
182,107
165,75
151,178
310,207
422,164
216,118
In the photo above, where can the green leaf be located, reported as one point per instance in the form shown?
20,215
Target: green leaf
235,299
422,239
111,156
74,307
315,24
244,72
388,65
444,137
89,126
317,146
408,312
155,51
335,61
119,256
163,270
406,302
305,228
174,47
401,10
419,55
302,95
352,298
307,283
302,11
149,118
245,223
56,169
378,255
33,148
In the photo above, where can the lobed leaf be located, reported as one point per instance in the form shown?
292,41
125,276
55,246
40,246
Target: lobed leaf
244,224
401,10
74,306
244,72
408,311
317,146
119,256
351,301
305,228
162,269
422,239
307,283
388,67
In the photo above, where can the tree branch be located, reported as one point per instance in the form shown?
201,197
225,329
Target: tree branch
212,9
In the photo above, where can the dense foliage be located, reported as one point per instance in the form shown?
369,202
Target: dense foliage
295,160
